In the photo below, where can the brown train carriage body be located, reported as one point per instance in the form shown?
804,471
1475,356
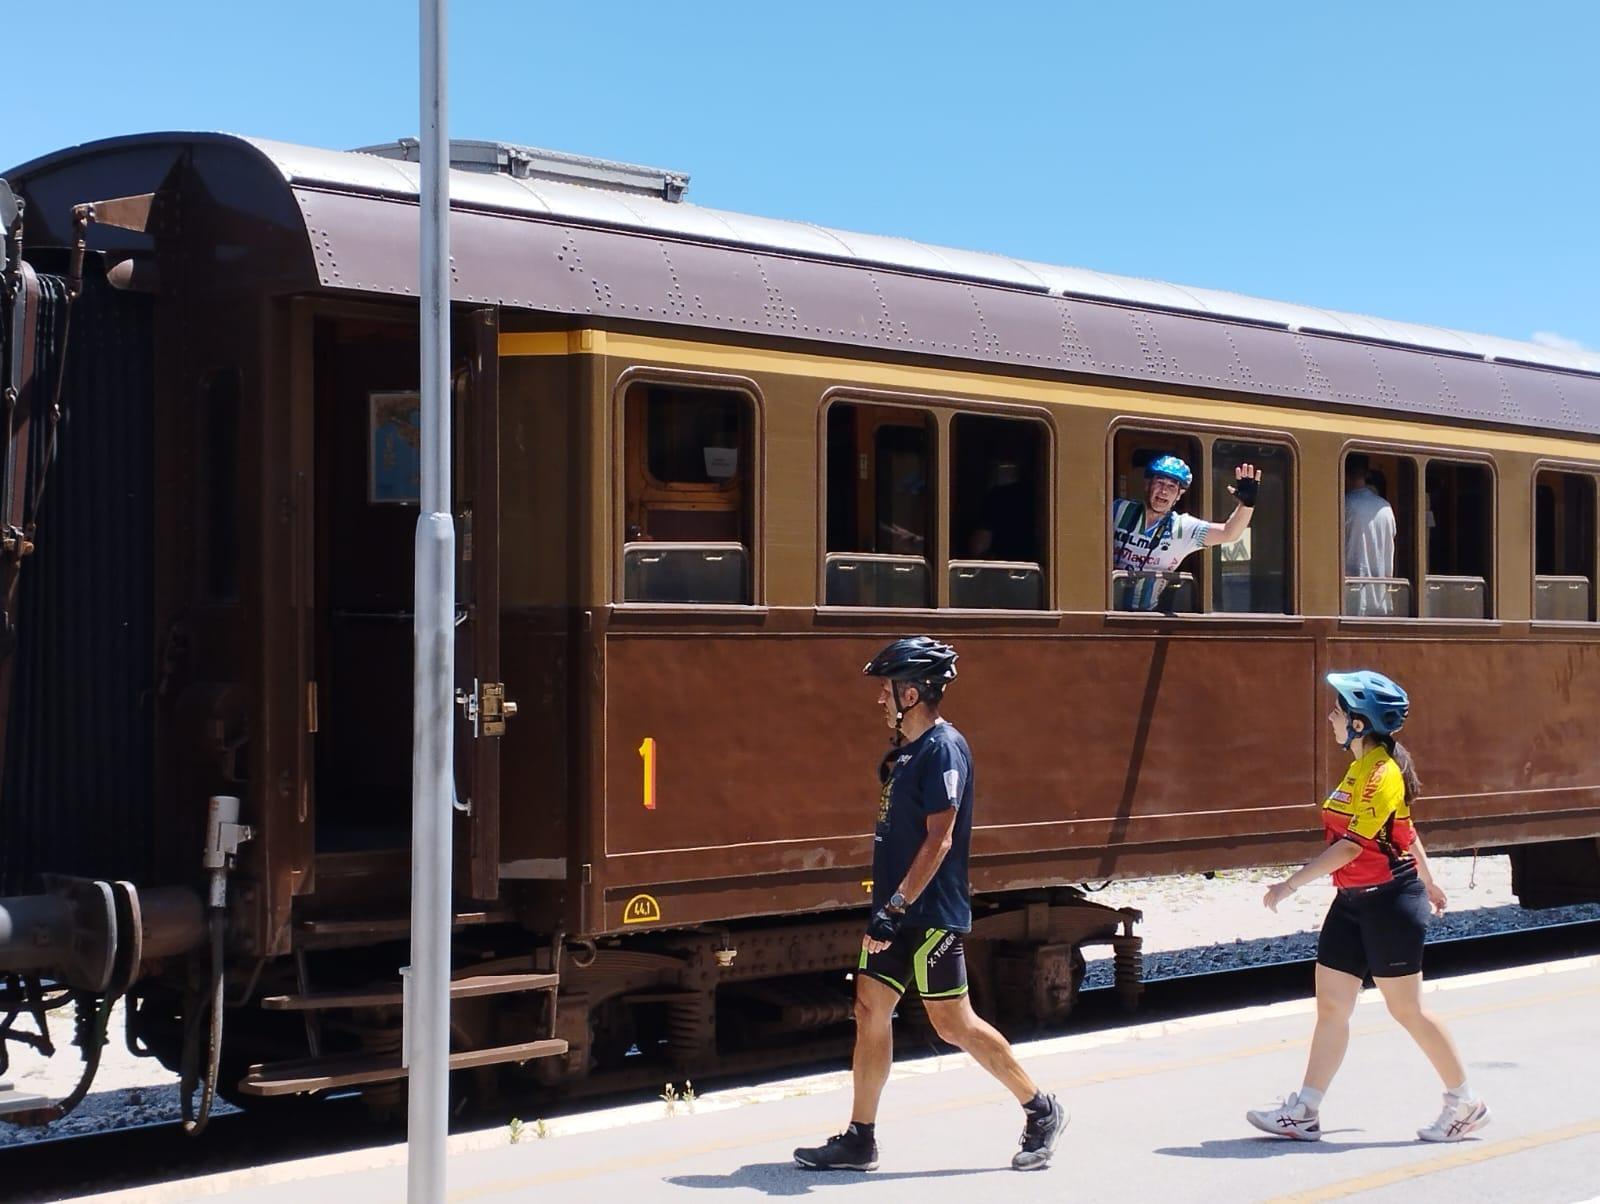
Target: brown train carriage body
1107,743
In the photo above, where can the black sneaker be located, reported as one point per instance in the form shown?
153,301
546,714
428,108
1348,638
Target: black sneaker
847,1151
1039,1137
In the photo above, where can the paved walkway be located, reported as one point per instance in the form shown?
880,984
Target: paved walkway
1158,1116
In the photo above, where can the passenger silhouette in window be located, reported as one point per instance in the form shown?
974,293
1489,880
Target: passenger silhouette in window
1006,518
1369,535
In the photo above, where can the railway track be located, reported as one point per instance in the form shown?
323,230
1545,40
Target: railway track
145,1154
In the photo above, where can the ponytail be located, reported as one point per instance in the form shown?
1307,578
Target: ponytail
1408,767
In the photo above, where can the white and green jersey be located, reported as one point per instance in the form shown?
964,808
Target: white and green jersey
1149,550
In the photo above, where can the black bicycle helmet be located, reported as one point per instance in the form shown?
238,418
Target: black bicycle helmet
917,660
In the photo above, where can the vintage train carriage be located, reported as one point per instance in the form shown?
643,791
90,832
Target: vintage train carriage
706,463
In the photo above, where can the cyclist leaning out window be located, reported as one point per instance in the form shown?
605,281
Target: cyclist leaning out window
1149,540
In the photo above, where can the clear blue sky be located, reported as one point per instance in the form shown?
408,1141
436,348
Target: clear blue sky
1434,162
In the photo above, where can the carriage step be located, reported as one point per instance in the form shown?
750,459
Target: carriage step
391,996
322,1074
332,934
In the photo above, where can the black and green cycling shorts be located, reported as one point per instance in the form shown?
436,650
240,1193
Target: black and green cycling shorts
933,960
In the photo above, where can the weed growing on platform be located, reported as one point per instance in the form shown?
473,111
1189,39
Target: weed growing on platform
672,1097
517,1128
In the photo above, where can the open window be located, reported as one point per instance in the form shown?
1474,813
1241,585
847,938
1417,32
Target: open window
999,512
1138,579
880,498
1160,561
1564,547
1380,525
1252,575
1459,522
689,506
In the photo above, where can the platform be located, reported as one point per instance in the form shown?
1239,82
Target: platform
1157,1115
15,1097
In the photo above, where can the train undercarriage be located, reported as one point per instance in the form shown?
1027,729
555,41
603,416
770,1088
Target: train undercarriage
529,1012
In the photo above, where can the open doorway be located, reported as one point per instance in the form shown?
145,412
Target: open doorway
368,476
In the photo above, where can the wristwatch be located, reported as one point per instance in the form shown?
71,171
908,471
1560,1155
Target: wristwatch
897,902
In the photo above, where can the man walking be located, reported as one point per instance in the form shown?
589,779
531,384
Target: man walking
921,908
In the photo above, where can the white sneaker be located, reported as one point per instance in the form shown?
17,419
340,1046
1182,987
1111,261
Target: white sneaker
1289,1119
1459,1118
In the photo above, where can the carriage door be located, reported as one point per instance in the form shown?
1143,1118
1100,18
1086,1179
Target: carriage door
483,708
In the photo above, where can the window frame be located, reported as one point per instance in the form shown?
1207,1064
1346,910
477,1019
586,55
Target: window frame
645,375
1421,455
1207,433
943,409
1575,468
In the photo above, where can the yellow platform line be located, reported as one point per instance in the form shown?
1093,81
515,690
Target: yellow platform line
1460,1157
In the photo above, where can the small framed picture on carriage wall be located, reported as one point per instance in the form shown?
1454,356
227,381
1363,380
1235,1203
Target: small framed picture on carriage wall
394,448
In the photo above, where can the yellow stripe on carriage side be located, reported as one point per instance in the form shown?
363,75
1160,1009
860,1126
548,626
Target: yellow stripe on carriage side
939,381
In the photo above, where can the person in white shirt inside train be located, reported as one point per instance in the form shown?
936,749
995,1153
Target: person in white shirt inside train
1369,530
1149,540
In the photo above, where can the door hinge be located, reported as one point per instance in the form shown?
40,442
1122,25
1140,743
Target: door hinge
311,707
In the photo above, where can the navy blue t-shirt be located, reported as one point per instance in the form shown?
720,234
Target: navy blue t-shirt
931,774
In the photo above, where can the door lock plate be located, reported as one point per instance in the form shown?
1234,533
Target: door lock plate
494,708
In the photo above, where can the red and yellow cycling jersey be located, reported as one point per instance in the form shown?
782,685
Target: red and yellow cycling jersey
1369,807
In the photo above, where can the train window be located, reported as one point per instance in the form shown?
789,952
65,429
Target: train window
688,509
1564,547
879,506
1380,517
219,473
999,512
1252,574
1459,522
1140,579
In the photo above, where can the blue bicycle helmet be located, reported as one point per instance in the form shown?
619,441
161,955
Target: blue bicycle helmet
1169,466
1374,697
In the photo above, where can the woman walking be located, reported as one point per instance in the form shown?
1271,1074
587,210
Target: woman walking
1379,914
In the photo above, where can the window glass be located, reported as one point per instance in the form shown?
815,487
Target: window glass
1155,563
1380,492
689,493
1252,574
998,522
1564,547
880,491
694,436
1458,521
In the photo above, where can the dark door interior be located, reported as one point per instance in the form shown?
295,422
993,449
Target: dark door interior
367,463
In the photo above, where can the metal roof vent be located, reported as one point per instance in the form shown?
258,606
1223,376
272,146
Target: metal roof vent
532,163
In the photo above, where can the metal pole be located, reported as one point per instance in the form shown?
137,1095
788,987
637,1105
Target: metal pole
428,1003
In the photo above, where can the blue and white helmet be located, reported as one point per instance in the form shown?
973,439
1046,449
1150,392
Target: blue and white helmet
1169,466
1376,698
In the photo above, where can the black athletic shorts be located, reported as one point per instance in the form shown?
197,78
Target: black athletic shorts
1376,930
933,960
